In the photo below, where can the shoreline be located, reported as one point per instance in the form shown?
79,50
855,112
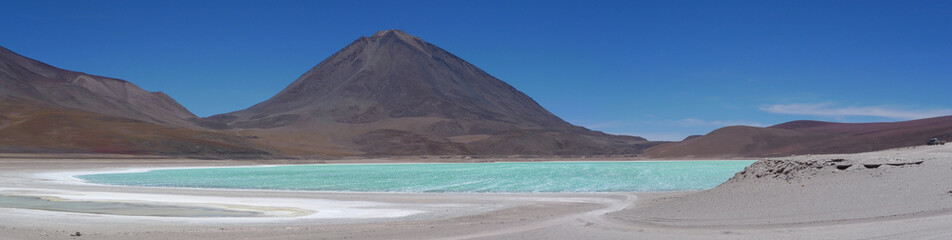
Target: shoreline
51,179
742,206
71,176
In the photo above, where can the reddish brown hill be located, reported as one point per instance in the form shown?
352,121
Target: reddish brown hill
393,93
29,79
47,109
27,126
807,137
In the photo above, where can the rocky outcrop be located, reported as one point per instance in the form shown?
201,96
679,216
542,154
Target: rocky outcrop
794,170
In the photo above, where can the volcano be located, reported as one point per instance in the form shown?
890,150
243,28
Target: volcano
395,94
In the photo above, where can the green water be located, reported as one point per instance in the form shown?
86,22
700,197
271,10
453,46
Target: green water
448,177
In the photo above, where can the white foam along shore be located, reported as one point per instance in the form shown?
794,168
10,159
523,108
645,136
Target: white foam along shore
276,209
272,209
803,197
72,177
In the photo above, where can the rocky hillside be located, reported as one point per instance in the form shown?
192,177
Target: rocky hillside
394,94
47,109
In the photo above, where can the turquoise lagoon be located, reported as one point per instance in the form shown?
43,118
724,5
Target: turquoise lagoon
516,177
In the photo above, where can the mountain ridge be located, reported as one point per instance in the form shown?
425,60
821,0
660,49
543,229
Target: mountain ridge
387,94
807,137
52,110
27,78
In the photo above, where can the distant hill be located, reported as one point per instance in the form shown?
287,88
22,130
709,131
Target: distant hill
28,79
395,94
47,109
807,137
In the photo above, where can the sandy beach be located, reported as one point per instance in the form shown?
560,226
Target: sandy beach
900,193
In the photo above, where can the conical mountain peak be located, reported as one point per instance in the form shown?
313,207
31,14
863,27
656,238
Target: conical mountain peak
398,36
398,32
395,85
394,75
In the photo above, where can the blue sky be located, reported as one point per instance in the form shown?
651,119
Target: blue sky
659,69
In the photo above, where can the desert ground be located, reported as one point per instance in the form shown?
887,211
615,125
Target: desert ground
893,194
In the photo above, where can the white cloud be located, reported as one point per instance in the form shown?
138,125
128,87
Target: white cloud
827,109
693,122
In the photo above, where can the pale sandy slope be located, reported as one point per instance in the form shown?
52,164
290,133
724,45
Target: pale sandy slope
810,198
899,193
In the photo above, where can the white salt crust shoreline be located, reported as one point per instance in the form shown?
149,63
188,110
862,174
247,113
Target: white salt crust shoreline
812,200
70,177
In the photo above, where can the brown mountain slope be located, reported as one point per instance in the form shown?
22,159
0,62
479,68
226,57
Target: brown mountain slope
28,126
393,93
47,109
25,78
807,137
